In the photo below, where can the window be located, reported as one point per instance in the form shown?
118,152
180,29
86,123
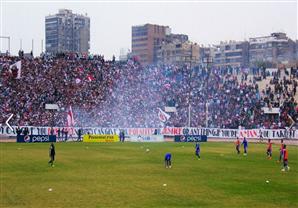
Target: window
135,34
217,55
139,30
139,45
233,54
139,39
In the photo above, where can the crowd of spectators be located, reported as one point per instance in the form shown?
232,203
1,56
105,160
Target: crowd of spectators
126,94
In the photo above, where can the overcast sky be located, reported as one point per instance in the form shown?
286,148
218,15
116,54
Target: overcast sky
204,22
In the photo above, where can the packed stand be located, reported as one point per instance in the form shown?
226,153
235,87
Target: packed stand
126,94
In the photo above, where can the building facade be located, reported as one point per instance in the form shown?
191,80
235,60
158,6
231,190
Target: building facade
170,38
271,50
232,53
146,40
207,55
180,53
67,32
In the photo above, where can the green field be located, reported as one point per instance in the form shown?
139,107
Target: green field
125,175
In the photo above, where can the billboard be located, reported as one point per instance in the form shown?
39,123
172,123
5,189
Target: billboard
36,138
100,138
190,138
167,131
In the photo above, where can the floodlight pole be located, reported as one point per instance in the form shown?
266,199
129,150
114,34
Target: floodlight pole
32,46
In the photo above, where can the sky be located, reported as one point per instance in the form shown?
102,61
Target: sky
204,22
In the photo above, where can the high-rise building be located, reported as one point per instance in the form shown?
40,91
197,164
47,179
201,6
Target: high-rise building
67,32
232,53
274,49
146,40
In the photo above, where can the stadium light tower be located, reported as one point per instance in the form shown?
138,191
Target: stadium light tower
8,40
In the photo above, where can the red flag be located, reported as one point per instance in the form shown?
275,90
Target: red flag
90,78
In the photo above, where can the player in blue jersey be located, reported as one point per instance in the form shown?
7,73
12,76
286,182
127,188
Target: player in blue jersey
245,145
168,160
198,150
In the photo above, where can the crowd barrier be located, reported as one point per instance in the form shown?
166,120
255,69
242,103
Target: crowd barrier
168,131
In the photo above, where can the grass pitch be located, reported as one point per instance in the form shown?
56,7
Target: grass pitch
125,175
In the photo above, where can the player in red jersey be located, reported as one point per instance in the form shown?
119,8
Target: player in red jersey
237,145
269,149
285,159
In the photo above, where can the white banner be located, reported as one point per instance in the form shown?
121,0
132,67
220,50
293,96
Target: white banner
167,131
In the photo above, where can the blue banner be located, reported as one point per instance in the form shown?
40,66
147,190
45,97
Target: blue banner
36,138
191,138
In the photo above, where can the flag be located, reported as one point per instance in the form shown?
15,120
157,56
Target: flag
292,120
163,116
90,78
167,86
18,65
70,121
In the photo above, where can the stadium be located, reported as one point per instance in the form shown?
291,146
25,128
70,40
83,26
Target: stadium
171,124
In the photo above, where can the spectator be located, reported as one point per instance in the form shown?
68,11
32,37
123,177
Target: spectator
106,93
